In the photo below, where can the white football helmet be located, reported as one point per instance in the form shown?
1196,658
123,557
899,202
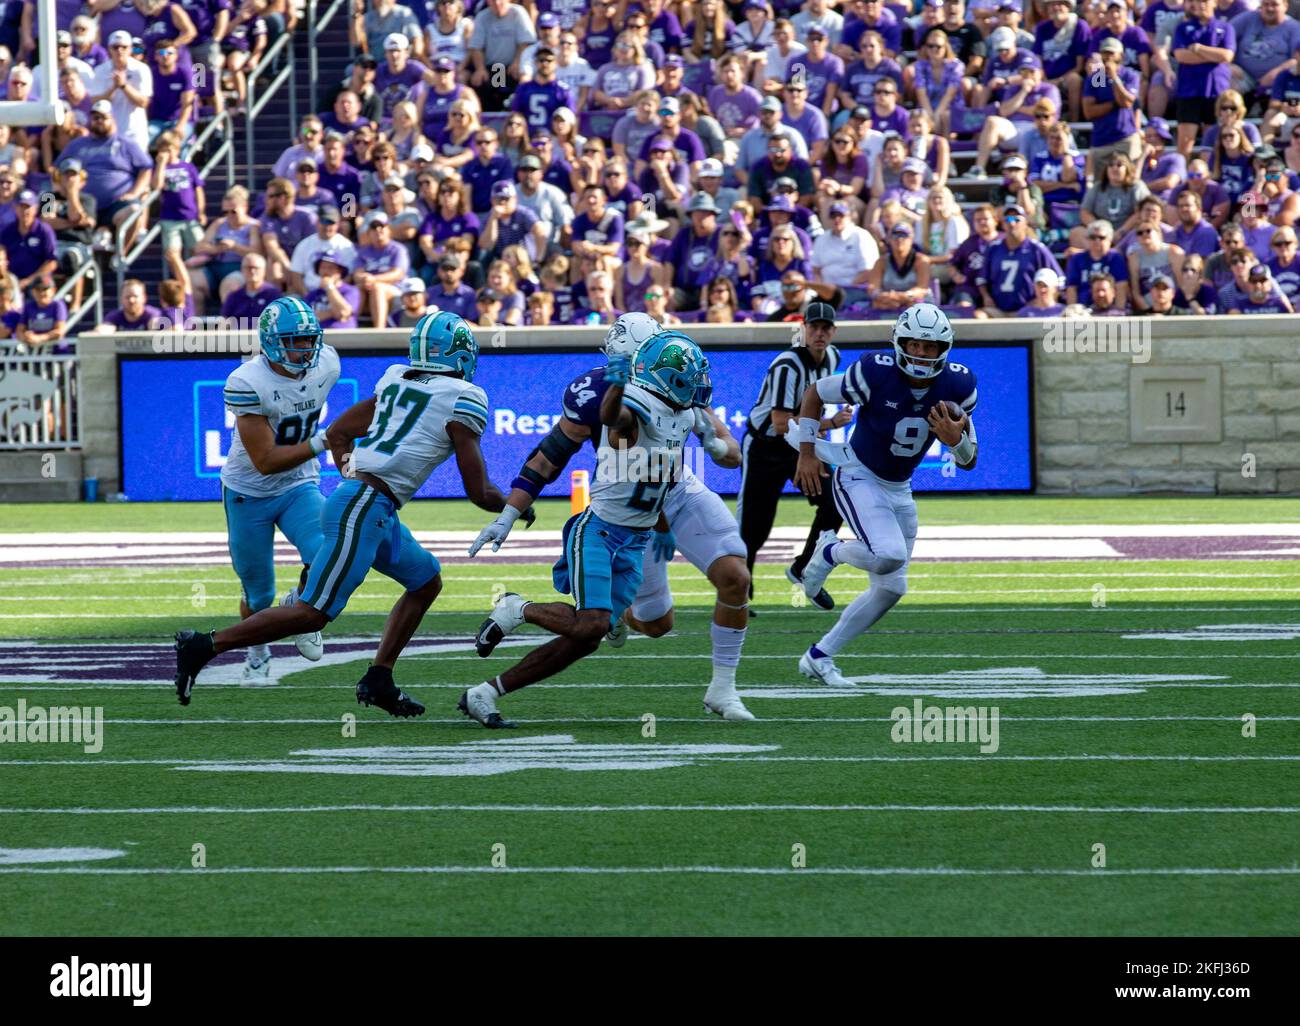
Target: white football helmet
927,322
627,333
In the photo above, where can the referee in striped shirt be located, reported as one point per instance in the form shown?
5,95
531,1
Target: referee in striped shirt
768,460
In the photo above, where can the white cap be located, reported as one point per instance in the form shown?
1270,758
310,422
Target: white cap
412,285
1047,276
711,168
396,41
422,152
119,38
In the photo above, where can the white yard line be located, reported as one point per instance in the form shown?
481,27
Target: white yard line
653,871
183,762
205,810
132,685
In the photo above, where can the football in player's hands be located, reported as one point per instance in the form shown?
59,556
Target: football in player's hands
955,412
947,420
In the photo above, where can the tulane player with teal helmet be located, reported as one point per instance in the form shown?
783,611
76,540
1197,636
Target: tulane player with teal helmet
271,477
421,413
646,413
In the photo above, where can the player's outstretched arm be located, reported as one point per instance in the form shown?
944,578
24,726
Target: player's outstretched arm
613,414
473,471
716,440
259,442
345,429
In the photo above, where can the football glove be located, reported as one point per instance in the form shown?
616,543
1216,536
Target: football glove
497,531
709,441
664,546
618,370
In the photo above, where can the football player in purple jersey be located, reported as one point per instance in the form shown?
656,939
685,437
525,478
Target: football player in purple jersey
905,400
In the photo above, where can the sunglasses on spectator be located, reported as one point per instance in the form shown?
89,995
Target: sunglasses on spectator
791,286
1013,219
838,213
654,295
276,195
1240,260
1146,231
166,51
459,114
1283,243
843,142
547,58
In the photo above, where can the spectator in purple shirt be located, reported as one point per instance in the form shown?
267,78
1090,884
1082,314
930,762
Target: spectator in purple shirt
538,99
1285,263
337,176
1163,170
1061,43
398,75
171,107
117,170
84,44
346,116
1262,295
245,304
871,16
488,167
860,78
133,312
886,114
310,196
618,82
1215,201
1192,233
1204,47
598,230
820,70
283,225
381,264
508,223
30,242
691,261
1110,102
182,208
335,301
733,103
452,294
44,319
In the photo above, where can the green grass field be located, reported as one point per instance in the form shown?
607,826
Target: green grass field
1104,739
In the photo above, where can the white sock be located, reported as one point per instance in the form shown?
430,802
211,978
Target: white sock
495,685
727,643
858,616
259,653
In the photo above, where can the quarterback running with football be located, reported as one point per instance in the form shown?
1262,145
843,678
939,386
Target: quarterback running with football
646,414
421,413
271,477
905,400
695,520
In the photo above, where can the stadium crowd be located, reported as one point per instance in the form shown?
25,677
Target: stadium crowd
561,162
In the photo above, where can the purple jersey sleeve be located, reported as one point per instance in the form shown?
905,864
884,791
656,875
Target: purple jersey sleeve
582,401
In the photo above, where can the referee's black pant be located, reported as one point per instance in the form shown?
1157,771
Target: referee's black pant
768,463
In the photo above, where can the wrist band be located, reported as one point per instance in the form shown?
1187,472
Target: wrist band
316,443
964,450
808,429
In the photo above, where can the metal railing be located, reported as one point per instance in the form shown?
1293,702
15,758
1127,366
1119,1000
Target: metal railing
223,127
316,24
38,402
256,103
88,270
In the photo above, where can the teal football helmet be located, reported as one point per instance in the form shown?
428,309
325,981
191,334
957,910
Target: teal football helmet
671,366
704,389
443,342
290,334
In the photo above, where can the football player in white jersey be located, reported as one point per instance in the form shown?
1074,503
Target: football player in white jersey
389,444
271,478
696,521
645,423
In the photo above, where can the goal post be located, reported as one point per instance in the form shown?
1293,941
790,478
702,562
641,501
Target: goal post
50,110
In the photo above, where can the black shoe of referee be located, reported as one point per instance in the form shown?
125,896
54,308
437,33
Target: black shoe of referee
822,600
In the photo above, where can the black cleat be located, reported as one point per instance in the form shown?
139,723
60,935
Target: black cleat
822,600
378,689
483,711
194,650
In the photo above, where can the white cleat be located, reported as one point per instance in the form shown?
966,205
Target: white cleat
727,704
257,672
617,635
310,646
505,618
823,670
480,703
817,570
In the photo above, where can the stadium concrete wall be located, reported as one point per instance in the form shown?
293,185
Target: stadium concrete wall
1179,405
